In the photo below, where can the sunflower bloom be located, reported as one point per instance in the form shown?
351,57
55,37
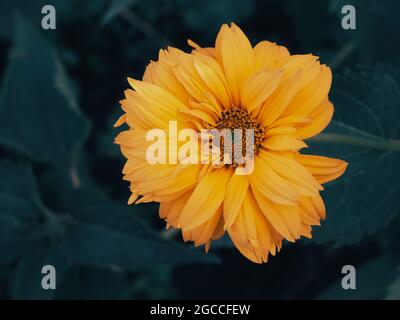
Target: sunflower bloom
282,97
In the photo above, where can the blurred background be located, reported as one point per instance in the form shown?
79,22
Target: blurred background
62,198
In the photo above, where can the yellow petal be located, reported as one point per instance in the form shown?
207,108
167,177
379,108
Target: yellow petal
284,142
274,107
297,186
253,234
291,170
161,75
244,249
168,184
173,211
277,220
137,114
280,131
290,215
319,120
182,66
271,185
308,217
235,54
306,63
165,208
268,54
210,52
235,193
157,97
319,206
132,138
133,197
200,114
206,198
133,164
244,235
203,233
311,96
212,74
290,121
120,121
153,105
313,207
324,169
206,107
258,88
249,210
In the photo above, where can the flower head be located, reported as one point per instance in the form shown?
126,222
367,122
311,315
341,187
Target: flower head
281,98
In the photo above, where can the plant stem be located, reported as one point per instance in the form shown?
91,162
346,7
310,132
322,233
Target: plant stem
384,145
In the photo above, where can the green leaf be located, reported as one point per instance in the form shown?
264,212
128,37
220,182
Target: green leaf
32,9
365,132
374,22
39,114
24,233
19,214
92,231
28,274
372,280
105,233
394,290
91,244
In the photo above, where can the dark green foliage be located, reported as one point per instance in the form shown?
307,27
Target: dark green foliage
20,207
56,127
62,199
372,281
364,133
91,231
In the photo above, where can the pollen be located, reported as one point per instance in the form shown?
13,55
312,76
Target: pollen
239,118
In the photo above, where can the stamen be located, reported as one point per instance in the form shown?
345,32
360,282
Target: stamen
239,118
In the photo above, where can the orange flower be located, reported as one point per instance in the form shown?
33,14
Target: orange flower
282,97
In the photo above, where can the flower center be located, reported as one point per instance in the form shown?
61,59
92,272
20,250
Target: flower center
239,118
